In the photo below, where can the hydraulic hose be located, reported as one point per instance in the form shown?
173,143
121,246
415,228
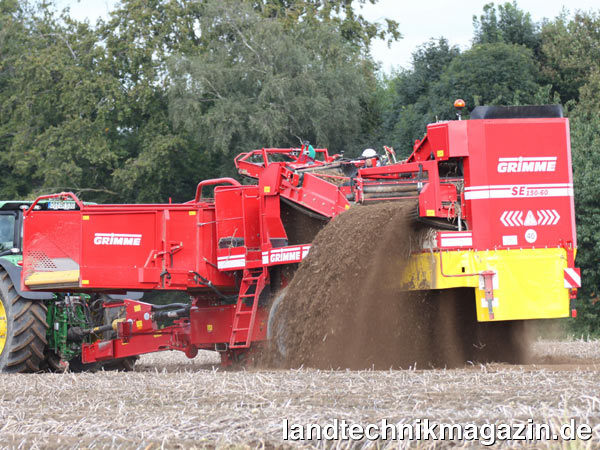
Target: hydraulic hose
169,306
171,314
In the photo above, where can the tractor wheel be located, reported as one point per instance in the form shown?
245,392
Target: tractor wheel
22,330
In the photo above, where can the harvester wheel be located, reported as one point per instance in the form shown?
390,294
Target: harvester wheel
55,363
122,365
119,365
22,330
276,326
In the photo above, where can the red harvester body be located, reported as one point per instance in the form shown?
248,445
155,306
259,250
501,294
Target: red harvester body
499,192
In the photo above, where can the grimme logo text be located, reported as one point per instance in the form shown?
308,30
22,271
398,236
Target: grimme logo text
286,256
117,239
521,164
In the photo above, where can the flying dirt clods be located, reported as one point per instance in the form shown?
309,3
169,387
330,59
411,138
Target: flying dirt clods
345,307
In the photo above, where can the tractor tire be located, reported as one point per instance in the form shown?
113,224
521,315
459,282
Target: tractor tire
22,330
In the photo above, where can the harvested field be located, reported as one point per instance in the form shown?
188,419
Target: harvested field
173,402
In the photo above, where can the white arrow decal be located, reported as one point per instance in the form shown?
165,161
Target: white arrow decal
540,218
520,218
544,217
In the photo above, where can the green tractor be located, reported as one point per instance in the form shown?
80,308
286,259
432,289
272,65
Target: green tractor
41,330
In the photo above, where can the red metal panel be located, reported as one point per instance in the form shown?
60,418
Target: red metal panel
206,256
126,247
448,139
115,245
212,325
135,345
273,233
231,239
53,241
519,186
317,195
251,207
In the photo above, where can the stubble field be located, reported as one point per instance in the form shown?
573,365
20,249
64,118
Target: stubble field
173,402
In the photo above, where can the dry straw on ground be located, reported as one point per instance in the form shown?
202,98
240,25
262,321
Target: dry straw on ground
172,402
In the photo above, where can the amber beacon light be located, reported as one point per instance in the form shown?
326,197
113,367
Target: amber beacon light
459,104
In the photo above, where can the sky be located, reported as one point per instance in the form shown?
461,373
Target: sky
419,20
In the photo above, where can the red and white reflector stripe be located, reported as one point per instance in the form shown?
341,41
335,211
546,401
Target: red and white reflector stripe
572,278
455,239
518,191
231,262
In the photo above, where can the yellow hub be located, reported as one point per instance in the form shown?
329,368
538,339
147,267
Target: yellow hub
3,327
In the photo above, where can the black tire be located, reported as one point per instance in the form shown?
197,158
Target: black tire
76,366
276,327
121,365
25,339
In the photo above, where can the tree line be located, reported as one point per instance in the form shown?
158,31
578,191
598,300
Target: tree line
142,105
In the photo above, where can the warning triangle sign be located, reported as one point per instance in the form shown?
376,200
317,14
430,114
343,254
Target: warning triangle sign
530,219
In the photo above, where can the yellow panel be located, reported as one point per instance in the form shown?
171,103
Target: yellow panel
3,327
86,217
60,277
528,284
192,213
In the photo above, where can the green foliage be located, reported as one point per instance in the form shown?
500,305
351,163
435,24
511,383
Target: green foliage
491,74
507,24
88,109
571,52
585,138
496,73
406,112
257,85
55,108
341,14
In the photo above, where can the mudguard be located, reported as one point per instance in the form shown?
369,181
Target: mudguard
14,272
